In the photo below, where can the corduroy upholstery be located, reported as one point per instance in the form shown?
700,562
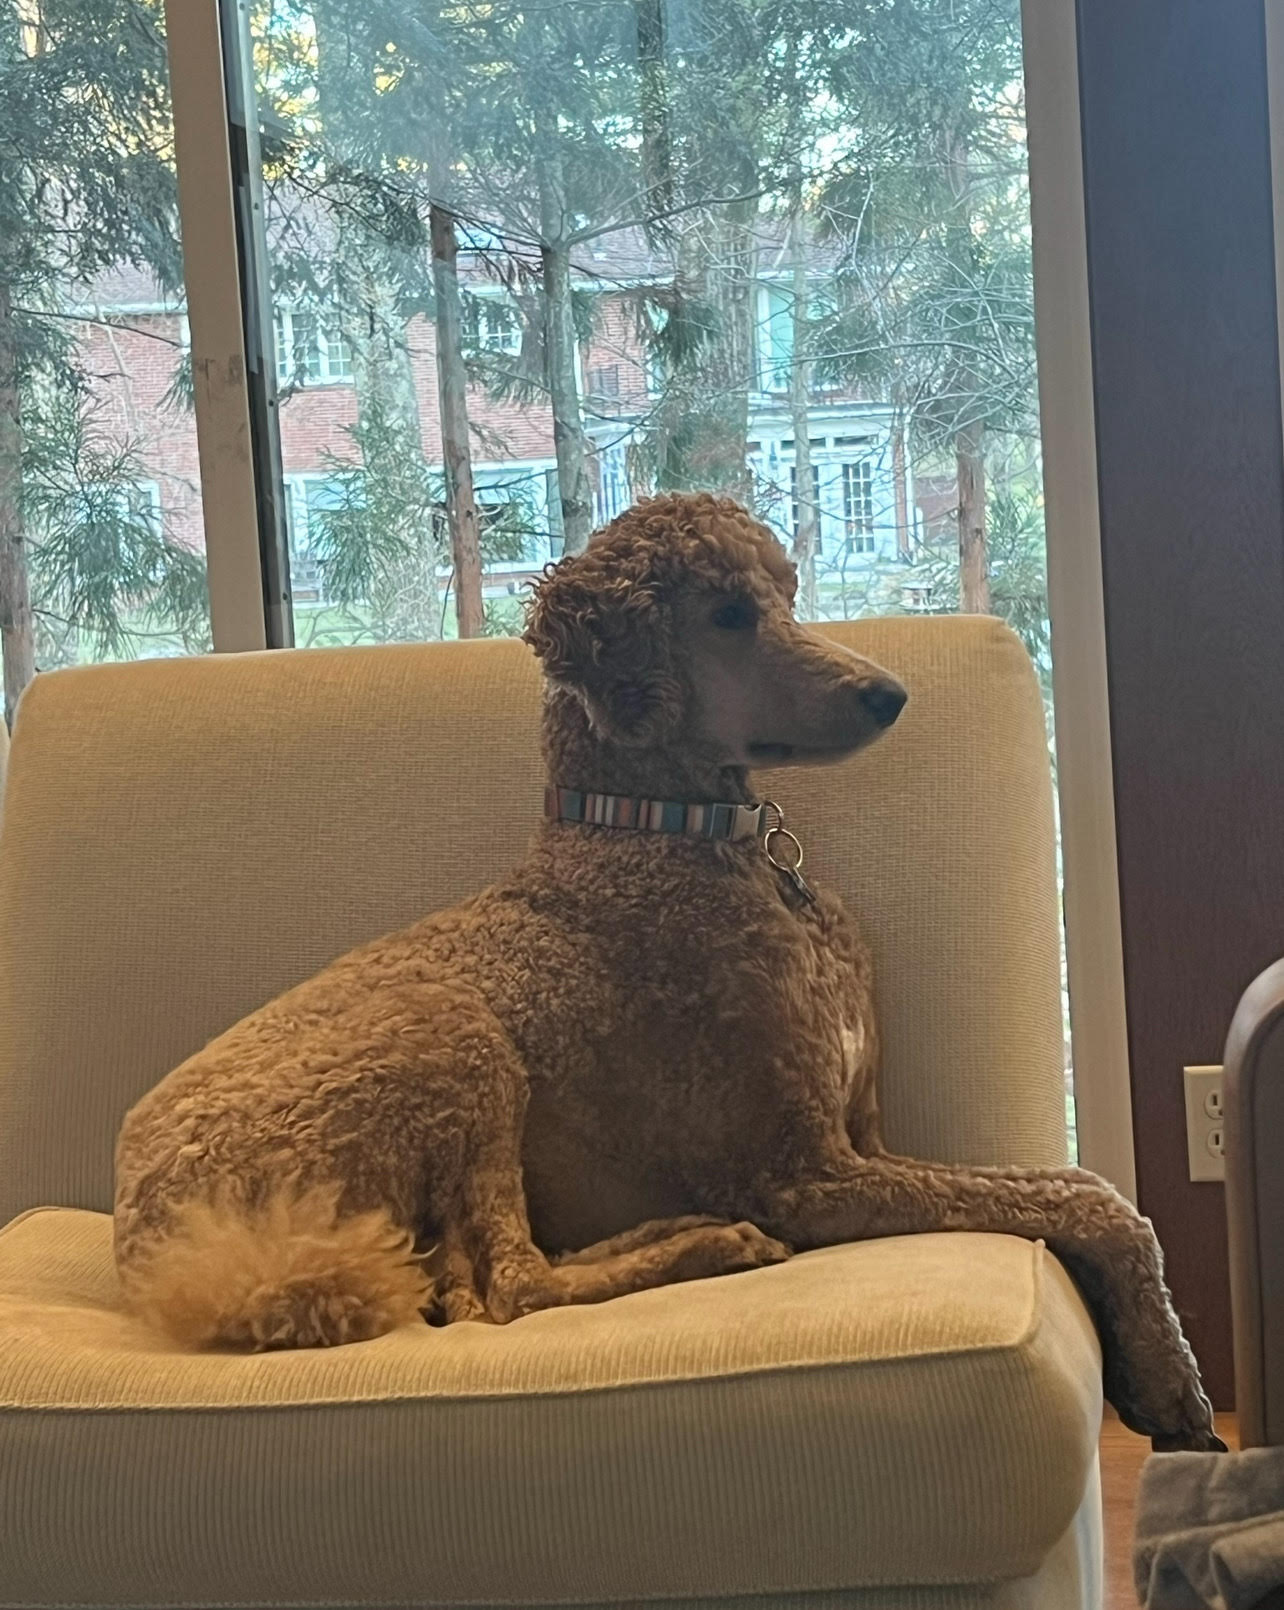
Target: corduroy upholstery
907,1423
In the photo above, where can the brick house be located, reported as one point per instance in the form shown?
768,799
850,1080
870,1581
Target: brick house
134,343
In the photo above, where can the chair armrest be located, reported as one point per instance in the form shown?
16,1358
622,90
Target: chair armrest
1253,1090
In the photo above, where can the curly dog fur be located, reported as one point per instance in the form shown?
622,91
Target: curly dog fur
643,1058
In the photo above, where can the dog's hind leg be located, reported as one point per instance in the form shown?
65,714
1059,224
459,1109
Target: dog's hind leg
642,1235
694,1254
454,1282
1110,1250
516,1278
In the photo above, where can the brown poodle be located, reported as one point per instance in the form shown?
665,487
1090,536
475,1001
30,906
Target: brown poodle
648,1056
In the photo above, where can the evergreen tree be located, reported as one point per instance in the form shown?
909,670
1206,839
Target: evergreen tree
931,229
86,183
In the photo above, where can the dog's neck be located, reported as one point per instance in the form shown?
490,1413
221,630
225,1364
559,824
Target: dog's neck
578,757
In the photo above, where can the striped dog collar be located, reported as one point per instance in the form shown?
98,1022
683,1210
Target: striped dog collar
655,815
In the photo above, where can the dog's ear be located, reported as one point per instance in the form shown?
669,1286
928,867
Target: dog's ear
606,637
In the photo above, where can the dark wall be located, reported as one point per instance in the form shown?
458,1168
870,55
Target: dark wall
1181,274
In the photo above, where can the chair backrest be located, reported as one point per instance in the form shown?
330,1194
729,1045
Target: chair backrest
184,839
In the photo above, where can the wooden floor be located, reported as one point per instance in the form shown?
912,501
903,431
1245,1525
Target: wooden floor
1122,1456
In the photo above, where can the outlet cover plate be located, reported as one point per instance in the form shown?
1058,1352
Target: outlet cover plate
1204,1128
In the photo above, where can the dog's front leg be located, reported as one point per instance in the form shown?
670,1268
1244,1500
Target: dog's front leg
1150,1373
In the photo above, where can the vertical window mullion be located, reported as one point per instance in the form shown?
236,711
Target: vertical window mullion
214,312
1067,407
256,309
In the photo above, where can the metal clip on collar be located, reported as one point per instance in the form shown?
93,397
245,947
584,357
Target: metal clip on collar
785,853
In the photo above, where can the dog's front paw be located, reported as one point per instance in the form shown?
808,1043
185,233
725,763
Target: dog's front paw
757,1248
1177,1420
1197,1440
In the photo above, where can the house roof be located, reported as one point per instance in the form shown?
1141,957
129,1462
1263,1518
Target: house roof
615,259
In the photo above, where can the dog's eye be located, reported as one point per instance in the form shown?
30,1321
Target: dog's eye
738,616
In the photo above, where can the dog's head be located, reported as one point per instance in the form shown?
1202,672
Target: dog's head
676,624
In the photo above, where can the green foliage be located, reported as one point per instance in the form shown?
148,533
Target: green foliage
1019,570
694,127
504,617
180,394
86,185
380,496
107,577
929,229
87,180
896,123
1018,567
385,506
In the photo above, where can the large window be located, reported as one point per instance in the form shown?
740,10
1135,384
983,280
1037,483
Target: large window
655,245
492,324
858,506
778,252
100,513
580,252
310,349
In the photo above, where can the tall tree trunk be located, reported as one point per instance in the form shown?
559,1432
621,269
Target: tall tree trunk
452,392
969,435
569,442
653,107
677,417
407,604
731,284
900,479
16,632
807,527
702,419
974,565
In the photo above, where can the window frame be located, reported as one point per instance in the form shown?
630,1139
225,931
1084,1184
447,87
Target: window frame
860,533
333,354
216,311
538,474
477,304
244,517
300,509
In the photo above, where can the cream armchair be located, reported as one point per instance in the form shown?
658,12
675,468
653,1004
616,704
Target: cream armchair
901,1424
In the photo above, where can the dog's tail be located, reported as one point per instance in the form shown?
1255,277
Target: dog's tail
291,1273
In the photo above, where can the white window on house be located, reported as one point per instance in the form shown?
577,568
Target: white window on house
604,382
613,493
492,324
513,514
104,504
775,338
310,350
815,503
553,505
858,506
309,498
652,324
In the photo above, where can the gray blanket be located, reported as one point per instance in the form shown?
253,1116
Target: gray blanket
1210,1530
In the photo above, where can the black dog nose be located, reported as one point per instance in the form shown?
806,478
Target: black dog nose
884,701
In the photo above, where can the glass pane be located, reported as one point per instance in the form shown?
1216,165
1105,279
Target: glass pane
100,514
593,249
656,243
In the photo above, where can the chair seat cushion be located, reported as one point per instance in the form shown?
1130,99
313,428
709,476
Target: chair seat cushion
917,1410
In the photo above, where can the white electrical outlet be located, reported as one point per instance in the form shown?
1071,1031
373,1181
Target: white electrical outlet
1205,1123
